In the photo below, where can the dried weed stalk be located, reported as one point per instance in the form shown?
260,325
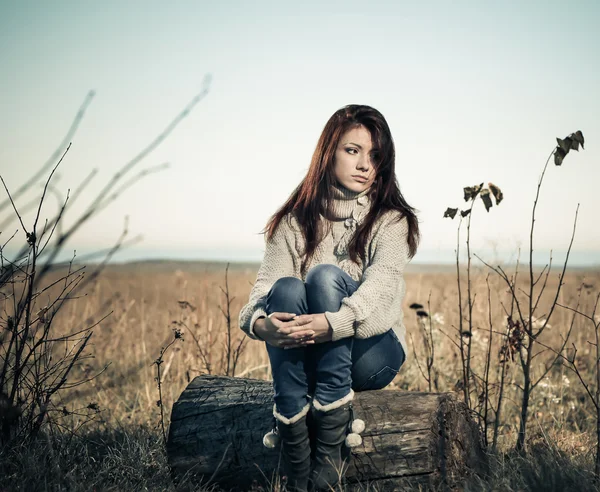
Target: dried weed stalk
37,358
527,310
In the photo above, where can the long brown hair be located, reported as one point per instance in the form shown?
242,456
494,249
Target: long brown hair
311,196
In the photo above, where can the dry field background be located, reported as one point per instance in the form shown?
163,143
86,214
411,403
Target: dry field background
149,300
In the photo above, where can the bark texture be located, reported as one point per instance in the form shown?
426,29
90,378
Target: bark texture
218,423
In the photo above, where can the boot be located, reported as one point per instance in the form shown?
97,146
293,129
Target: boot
295,446
332,424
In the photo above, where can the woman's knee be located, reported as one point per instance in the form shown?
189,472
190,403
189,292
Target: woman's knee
288,294
326,286
291,286
323,274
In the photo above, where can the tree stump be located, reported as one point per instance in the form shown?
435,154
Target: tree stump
218,423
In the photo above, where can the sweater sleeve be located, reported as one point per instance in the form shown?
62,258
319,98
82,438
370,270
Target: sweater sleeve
379,286
278,262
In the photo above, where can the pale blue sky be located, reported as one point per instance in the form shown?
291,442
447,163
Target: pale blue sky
473,92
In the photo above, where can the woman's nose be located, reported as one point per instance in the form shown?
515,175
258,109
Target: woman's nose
364,163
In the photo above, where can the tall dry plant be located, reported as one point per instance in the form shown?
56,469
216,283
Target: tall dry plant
37,358
465,335
528,321
35,363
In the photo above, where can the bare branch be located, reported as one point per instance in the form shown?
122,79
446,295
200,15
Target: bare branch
59,150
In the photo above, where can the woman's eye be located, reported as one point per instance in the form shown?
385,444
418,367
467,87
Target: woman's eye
352,151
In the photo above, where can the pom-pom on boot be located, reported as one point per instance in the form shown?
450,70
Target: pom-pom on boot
292,434
355,427
332,423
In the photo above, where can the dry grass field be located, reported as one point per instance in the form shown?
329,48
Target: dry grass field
122,448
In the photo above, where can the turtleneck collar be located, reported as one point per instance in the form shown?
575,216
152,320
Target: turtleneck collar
345,201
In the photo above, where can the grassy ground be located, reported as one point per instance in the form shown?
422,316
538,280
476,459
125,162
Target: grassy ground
133,458
122,449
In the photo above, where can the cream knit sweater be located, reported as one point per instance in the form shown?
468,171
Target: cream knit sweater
376,305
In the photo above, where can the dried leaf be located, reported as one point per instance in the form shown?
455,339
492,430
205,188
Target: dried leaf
564,144
485,197
559,155
578,136
472,191
497,192
464,213
422,314
575,145
450,212
416,305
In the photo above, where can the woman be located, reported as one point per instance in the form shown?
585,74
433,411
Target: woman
328,295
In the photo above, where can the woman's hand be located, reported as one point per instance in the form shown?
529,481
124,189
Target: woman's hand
284,330
318,324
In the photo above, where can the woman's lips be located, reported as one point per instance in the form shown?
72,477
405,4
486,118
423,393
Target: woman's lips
360,178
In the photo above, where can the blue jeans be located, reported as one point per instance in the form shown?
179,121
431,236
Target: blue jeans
327,370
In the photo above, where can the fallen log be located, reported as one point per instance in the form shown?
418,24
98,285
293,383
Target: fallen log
218,423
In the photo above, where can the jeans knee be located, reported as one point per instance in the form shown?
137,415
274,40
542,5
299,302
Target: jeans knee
323,274
287,288
326,286
288,295
290,286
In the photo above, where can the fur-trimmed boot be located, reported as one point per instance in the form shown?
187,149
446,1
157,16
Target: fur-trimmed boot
333,426
295,446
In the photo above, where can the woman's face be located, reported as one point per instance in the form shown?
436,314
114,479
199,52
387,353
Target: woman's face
353,163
